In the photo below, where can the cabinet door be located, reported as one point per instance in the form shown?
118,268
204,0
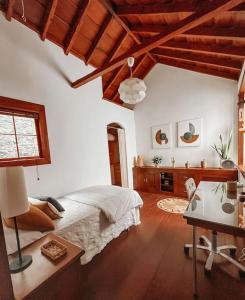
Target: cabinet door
151,182
179,184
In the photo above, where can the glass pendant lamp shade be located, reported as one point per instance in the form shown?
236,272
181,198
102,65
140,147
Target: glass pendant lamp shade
132,90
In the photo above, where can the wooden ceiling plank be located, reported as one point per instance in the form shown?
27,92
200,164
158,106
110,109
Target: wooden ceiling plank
114,77
98,38
200,62
185,25
48,18
228,32
9,9
224,50
198,68
117,46
208,60
108,5
163,7
72,35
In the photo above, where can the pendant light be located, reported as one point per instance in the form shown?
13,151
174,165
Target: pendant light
132,90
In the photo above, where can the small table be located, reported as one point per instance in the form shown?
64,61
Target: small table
45,279
212,207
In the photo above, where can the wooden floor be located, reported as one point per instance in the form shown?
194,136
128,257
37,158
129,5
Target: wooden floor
148,262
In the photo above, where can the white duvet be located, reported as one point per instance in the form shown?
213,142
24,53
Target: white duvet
113,201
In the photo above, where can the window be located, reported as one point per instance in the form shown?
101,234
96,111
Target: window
23,133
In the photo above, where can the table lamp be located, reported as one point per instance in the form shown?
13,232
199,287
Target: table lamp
14,202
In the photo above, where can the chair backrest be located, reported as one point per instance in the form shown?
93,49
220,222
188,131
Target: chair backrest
190,187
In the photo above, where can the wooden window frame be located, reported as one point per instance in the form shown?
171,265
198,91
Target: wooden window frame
41,129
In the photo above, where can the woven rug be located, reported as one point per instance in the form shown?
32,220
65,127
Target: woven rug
173,205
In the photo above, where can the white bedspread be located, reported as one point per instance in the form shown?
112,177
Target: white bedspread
113,201
87,224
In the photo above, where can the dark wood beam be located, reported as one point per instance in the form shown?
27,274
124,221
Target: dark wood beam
114,78
72,35
228,64
9,9
199,67
114,51
163,7
213,49
48,18
228,32
183,26
98,38
109,6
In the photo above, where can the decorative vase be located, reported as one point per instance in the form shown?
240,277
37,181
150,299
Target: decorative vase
140,162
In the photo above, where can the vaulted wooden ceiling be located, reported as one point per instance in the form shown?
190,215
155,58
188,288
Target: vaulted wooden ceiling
206,36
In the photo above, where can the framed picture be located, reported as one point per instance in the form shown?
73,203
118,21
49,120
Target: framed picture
162,136
190,133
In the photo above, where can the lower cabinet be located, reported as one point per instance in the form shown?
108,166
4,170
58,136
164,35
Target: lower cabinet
171,181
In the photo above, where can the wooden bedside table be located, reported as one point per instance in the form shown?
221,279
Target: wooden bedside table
45,279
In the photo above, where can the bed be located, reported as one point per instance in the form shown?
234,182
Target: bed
93,217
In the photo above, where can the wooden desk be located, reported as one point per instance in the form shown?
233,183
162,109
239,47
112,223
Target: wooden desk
45,279
212,207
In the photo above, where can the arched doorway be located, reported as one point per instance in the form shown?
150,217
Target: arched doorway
117,154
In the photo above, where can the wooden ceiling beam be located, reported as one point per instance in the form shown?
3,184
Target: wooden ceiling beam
198,67
204,59
229,32
183,26
9,9
109,6
113,78
163,7
98,38
114,51
48,18
72,35
213,49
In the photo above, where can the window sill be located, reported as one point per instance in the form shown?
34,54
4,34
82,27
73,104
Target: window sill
25,162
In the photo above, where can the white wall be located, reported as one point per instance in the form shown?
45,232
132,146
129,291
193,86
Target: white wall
39,72
175,94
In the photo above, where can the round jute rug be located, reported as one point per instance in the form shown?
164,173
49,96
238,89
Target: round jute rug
173,205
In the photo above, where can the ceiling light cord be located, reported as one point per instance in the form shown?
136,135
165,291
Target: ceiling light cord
23,11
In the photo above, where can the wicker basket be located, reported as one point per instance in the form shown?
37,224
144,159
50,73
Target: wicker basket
54,249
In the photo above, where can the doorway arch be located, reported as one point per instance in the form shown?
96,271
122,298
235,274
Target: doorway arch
117,154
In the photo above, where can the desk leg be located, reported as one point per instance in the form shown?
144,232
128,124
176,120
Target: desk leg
194,261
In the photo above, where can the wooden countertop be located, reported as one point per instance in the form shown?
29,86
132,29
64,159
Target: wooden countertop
188,169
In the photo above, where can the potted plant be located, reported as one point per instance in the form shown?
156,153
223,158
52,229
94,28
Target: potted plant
157,160
223,149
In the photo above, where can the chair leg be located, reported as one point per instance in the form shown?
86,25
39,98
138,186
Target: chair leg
233,261
209,262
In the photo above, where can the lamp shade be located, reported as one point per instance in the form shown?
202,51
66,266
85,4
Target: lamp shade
132,90
13,195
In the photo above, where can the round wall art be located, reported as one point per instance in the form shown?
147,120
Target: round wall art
189,133
162,136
